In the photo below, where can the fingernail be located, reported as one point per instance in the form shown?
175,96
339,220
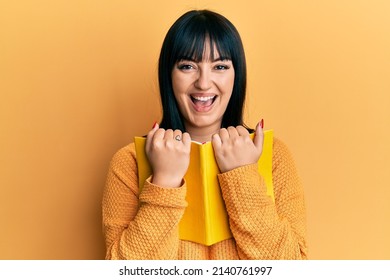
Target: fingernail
203,143
155,123
262,123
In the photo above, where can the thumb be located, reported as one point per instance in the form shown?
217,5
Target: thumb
150,135
259,135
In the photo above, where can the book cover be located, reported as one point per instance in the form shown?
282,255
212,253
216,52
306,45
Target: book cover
205,219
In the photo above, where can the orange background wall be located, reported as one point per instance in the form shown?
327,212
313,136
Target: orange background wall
78,81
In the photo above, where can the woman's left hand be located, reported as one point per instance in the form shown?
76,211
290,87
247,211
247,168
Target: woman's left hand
234,148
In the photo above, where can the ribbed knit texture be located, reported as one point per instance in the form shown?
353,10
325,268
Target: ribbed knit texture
145,225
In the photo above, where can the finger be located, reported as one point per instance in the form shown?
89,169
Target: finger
150,135
168,134
186,138
159,134
259,136
153,130
216,141
233,133
177,135
223,135
242,131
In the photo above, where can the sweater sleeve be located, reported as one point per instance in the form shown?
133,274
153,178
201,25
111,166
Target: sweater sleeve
139,226
261,228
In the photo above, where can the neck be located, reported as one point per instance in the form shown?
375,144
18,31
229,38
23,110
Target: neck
202,134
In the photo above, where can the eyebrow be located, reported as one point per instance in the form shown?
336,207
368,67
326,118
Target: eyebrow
221,58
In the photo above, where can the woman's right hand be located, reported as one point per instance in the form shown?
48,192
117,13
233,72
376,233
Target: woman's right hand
168,156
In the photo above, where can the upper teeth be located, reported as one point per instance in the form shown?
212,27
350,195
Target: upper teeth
200,98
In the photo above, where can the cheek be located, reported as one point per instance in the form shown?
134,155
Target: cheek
228,84
178,84
175,83
228,87
179,90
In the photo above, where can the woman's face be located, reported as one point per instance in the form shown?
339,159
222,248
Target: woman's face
203,89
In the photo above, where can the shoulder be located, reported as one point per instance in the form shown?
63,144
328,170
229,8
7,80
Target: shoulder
125,154
124,160
283,164
286,180
123,172
281,153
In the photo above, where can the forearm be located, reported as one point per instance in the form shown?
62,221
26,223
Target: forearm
139,224
260,231
153,233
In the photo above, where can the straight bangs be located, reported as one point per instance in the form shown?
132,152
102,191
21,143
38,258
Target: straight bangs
195,50
191,43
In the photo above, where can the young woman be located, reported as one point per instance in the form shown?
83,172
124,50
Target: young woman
202,78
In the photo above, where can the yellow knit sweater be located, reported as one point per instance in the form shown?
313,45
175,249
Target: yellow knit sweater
145,225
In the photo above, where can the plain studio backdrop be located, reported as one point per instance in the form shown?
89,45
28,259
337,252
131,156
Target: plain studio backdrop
78,80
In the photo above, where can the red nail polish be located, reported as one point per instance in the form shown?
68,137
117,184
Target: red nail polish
203,143
262,123
155,123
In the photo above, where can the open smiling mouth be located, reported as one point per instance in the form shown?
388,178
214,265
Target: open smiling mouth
203,103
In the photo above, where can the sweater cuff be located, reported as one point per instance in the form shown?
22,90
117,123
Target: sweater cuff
165,197
243,182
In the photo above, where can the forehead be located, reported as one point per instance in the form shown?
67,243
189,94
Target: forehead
202,49
210,52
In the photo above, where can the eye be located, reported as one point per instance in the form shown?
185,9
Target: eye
185,66
221,67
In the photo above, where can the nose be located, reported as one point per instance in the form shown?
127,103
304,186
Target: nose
203,81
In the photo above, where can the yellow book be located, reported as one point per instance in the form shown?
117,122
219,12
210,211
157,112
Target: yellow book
205,219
